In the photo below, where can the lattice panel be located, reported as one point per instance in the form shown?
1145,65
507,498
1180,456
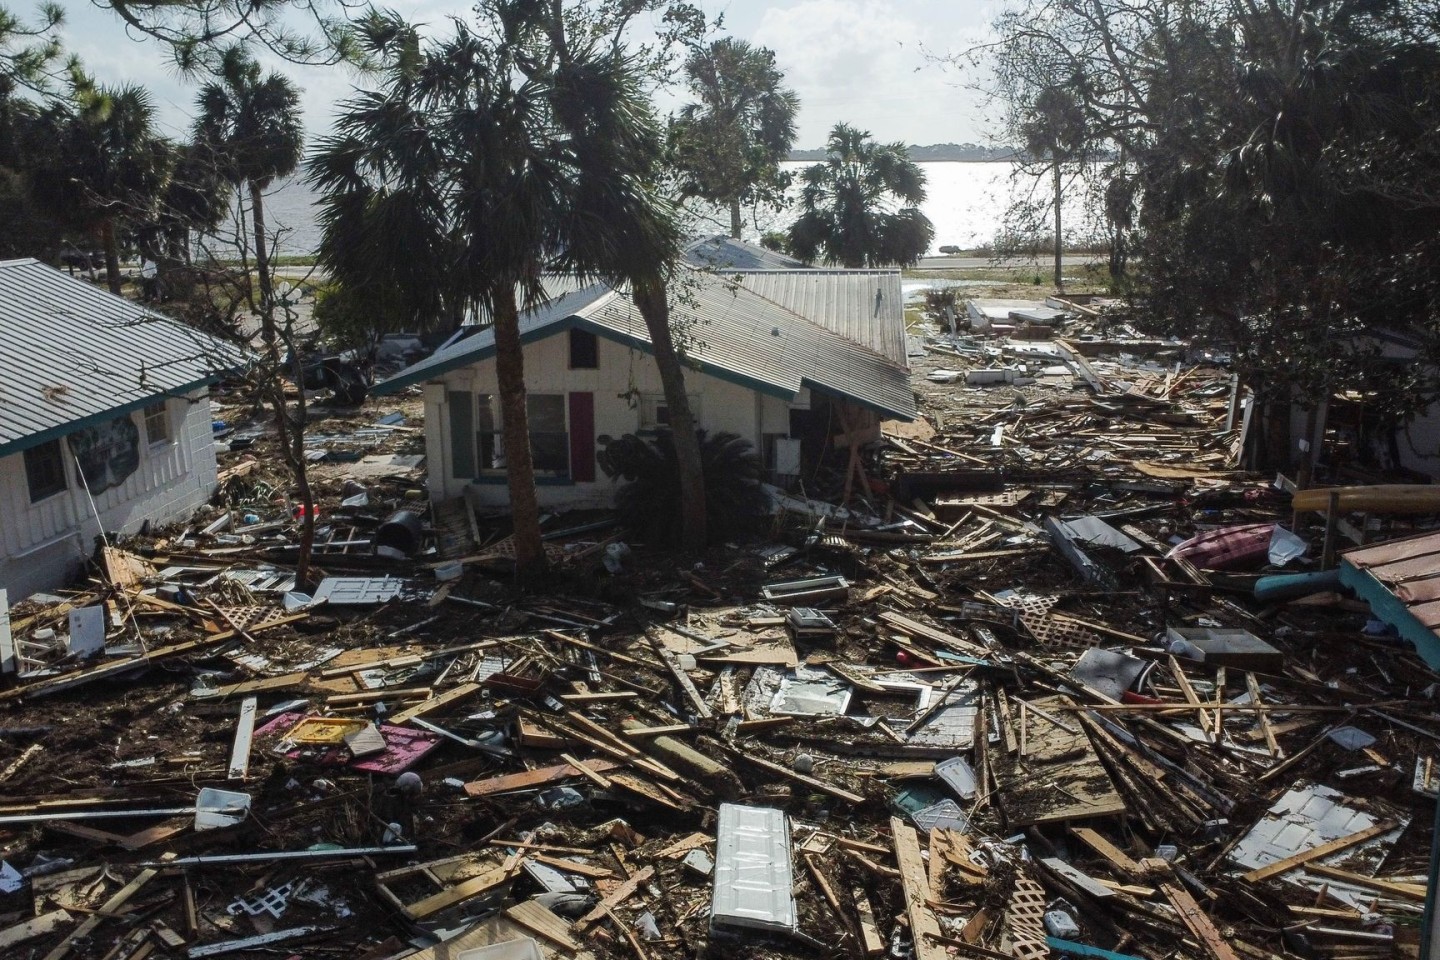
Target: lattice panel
1029,604
1025,919
995,501
246,616
505,550
1055,633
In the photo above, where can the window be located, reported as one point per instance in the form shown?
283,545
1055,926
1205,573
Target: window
655,415
157,424
549,440
45,471
584,350
478,443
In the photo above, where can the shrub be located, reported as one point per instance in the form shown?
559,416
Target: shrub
649,504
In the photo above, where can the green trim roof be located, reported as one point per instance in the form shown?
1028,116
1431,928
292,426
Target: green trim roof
72,355
730,331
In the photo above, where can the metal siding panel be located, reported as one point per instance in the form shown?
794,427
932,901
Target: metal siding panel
754,885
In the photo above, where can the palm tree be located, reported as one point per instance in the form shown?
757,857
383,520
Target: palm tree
248,128
730,144
1055,132
860,205
107,166
498,155
248,124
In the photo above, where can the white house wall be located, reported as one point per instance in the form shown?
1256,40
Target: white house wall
724,406
43,544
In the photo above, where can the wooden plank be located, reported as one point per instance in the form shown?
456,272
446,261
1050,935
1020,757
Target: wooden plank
1082,881
541,920
1266,730
107,909
1197,922
916,629
586,772
924,928
532,778
838,793
114,667
573,866
1315,853
687,686
1409,891
828,892
37,927
436,703
1117,857
617,896
244,732
459,893
14,766
870,941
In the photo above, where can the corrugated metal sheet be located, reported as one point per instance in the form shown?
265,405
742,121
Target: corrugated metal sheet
72,353
865,306
729,330
726,253
754,883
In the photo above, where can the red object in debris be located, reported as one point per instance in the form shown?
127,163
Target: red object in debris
300,512
1130,696
1228,547
902,658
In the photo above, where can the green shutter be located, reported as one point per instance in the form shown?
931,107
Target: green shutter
462,433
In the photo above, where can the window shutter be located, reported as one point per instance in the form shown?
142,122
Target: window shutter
462,433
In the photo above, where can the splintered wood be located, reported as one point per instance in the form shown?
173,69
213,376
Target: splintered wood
915,881
1060,776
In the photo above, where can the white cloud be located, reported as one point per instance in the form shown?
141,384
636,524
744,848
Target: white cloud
863,62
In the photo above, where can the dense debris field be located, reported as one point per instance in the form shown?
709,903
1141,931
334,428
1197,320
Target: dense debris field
1018,699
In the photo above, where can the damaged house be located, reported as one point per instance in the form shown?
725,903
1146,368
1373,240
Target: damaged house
791,359
104,421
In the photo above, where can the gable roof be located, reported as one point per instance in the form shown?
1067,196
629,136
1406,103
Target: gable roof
866,306
72,355
730,331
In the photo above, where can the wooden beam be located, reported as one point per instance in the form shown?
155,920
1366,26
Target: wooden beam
435,703
1117,857
1409,891
1315,853
687,686
1266,730
244,732
108,909
924,928
617,896
1198,923
815,783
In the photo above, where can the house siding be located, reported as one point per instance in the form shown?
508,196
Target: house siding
42,545
621,373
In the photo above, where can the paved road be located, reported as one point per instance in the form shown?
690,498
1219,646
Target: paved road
984,263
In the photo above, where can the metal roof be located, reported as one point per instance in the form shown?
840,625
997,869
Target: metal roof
861,305
1401,581
726,329
72,354
727,253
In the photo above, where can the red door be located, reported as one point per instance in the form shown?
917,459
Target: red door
582,437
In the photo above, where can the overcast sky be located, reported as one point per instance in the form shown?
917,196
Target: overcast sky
858,61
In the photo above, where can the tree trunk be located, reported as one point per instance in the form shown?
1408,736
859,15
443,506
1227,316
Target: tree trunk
292,431
112,255
736,221
1059,244
652,300
515,425
262,270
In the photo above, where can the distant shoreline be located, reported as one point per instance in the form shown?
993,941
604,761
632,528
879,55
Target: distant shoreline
933,153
